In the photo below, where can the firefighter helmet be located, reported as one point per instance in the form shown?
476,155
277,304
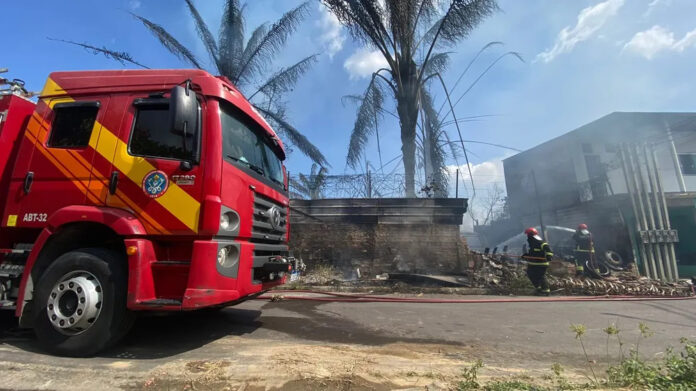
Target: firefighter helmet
582,226
531,231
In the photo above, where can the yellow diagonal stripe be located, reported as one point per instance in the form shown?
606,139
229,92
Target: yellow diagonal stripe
52,88
175,199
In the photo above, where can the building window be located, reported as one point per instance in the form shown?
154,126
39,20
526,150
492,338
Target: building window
586,148
73,124
151,136
688,163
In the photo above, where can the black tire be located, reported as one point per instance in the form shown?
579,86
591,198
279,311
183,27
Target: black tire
613,260
113,319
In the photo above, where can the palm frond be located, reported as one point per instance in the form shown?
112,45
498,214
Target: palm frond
255,58
231,39
463,16
468,66
296,138
438,63
368,112
404,18
122,57
285,79
254,41
364,21
299,186
352,99
204,33
169,42
485,71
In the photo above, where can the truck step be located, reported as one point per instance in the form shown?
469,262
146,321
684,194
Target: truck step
162,303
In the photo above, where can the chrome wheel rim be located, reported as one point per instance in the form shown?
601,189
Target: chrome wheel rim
75,302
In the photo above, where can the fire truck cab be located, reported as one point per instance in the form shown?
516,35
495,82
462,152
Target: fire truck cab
138,190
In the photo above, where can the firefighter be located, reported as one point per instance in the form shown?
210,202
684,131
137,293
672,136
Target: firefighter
584,249
538,257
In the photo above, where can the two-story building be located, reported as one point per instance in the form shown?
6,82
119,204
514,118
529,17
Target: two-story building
579,178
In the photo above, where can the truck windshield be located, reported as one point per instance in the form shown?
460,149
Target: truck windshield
247,145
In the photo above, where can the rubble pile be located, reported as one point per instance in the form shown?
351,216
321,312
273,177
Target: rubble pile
508,277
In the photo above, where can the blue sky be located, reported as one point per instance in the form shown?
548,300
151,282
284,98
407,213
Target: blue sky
583,59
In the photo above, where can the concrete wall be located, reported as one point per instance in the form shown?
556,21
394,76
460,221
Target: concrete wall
380,235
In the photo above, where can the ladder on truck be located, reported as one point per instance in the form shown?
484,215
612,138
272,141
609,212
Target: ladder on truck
15,87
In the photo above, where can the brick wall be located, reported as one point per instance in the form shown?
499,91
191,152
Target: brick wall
377,246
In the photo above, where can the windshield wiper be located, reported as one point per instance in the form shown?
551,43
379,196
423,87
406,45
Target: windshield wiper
250,165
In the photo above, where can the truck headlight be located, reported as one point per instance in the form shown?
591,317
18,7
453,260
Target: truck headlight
229,221
228,256
222,256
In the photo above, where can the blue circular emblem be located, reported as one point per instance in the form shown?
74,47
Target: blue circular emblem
155,183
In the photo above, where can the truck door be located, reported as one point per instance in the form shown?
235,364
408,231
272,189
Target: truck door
160,173
59,169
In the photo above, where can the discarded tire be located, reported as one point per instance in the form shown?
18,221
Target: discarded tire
613,259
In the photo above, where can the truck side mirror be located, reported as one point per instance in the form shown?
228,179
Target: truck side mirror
183,111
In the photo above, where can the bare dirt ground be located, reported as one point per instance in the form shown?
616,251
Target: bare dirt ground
297,345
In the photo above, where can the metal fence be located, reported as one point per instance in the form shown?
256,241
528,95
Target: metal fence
367,185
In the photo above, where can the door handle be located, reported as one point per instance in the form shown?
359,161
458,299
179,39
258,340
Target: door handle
28,180
113,182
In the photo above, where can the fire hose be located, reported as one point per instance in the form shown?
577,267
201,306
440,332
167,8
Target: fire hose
357,298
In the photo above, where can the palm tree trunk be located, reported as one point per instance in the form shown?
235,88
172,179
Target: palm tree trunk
408,115
407,107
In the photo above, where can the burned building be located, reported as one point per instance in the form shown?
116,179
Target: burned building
615,174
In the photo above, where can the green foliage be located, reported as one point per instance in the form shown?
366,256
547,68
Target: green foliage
309,187
578,329
470,377
677,372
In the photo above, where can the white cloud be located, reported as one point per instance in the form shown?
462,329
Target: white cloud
134,4
364,62
654,4
332,37
487,176
590,20
657,39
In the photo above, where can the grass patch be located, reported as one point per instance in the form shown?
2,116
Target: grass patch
675,372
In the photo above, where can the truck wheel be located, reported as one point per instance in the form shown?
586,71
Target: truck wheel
80,303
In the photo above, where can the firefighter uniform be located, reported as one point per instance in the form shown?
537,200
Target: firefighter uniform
538,258
584,249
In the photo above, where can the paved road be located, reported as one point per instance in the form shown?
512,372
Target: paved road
319,339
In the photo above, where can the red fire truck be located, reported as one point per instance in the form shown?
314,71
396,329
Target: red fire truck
129,191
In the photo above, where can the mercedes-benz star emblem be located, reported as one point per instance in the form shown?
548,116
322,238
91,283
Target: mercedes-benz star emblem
275,218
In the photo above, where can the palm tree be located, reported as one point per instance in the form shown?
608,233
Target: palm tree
411,35
245,64
309,187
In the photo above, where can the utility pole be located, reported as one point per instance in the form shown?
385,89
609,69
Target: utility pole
456,191
368,179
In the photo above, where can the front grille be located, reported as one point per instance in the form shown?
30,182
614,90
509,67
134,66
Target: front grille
264,252
261,228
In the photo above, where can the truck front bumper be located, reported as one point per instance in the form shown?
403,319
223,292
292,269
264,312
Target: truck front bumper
204,282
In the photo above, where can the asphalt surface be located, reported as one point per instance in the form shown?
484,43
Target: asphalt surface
531,335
